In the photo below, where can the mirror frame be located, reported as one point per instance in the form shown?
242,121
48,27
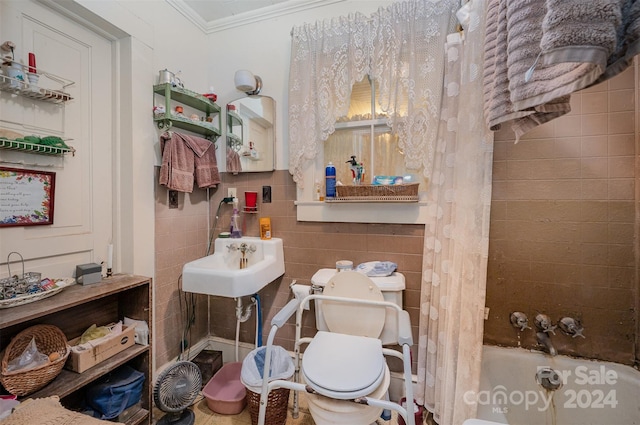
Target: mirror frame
245,115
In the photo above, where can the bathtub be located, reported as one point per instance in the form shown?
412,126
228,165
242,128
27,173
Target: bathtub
591,392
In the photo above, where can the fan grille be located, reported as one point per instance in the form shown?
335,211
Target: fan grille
177,387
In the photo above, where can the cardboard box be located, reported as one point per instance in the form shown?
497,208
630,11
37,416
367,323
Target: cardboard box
83,360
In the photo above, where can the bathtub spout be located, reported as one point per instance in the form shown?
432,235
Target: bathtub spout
545,341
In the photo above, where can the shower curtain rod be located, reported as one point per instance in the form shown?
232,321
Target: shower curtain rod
462,3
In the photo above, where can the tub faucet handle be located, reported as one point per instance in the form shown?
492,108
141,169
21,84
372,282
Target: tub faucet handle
519,320
232,247
571,326
543,323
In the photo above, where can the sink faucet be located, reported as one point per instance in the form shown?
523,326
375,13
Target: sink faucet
545,341
250,248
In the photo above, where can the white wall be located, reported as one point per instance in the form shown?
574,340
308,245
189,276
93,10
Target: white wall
152,35
263,47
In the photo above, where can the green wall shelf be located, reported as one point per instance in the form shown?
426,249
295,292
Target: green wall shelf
34,147
190,98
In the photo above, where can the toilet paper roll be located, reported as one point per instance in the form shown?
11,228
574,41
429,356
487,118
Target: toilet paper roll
301,292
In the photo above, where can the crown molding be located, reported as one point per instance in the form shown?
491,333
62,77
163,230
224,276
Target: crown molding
269,12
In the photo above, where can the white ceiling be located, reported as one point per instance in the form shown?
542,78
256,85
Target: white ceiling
216,15
212,10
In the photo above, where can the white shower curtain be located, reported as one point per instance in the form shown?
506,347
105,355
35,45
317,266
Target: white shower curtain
457,233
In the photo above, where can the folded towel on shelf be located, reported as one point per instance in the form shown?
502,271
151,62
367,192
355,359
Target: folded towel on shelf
185,160
628,41
578,38
514,30
539,52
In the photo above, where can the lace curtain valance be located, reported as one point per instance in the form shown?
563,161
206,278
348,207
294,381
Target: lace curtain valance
401,46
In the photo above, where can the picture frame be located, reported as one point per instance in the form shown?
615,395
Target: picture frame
26,197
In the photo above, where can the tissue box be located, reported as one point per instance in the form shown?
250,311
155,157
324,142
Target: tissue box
83,360
87,274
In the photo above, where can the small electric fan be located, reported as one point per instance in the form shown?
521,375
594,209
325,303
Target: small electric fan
176,389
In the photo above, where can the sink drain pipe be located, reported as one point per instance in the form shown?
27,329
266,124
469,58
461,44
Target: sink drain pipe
256,300
241,318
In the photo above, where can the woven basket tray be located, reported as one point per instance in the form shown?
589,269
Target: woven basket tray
49,339
377,193
277,406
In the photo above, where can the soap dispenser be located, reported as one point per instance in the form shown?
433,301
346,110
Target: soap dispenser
235,227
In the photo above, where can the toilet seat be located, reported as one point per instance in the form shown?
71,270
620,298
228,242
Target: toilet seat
355,368
353,319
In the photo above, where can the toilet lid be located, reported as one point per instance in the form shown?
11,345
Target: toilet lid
353,319
343,366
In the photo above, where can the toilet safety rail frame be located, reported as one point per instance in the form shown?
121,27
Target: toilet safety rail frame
405,339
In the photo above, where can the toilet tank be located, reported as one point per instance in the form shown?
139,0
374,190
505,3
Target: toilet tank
391,287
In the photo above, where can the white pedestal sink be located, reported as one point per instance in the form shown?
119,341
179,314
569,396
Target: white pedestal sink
221,273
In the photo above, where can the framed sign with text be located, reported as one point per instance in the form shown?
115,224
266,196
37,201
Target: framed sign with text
26,197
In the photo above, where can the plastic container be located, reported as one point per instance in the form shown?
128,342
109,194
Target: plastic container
234,228
225,393
265,228
318,196
330,177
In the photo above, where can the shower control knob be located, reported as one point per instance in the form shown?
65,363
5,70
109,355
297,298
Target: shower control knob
571,326
519,320
543,323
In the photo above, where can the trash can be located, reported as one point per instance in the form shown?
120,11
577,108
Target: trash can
418,412
251,375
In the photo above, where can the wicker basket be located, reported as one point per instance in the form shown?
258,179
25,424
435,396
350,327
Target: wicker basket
277,405
377,193
49,339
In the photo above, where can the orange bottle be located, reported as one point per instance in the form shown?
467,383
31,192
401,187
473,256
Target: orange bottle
265,228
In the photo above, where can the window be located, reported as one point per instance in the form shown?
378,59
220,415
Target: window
364,133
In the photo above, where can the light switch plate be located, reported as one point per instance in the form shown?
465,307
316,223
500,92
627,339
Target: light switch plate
266,194
173,199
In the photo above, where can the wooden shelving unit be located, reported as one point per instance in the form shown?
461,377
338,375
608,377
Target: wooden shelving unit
76,308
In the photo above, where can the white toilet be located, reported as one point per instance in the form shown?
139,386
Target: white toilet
392,288
356,367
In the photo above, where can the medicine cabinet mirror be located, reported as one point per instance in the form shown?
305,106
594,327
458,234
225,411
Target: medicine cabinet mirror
251,134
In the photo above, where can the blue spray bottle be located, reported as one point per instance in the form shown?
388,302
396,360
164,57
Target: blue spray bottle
330,176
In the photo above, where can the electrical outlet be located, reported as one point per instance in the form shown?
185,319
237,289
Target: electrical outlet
266,194
173,199
486,313
232,192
